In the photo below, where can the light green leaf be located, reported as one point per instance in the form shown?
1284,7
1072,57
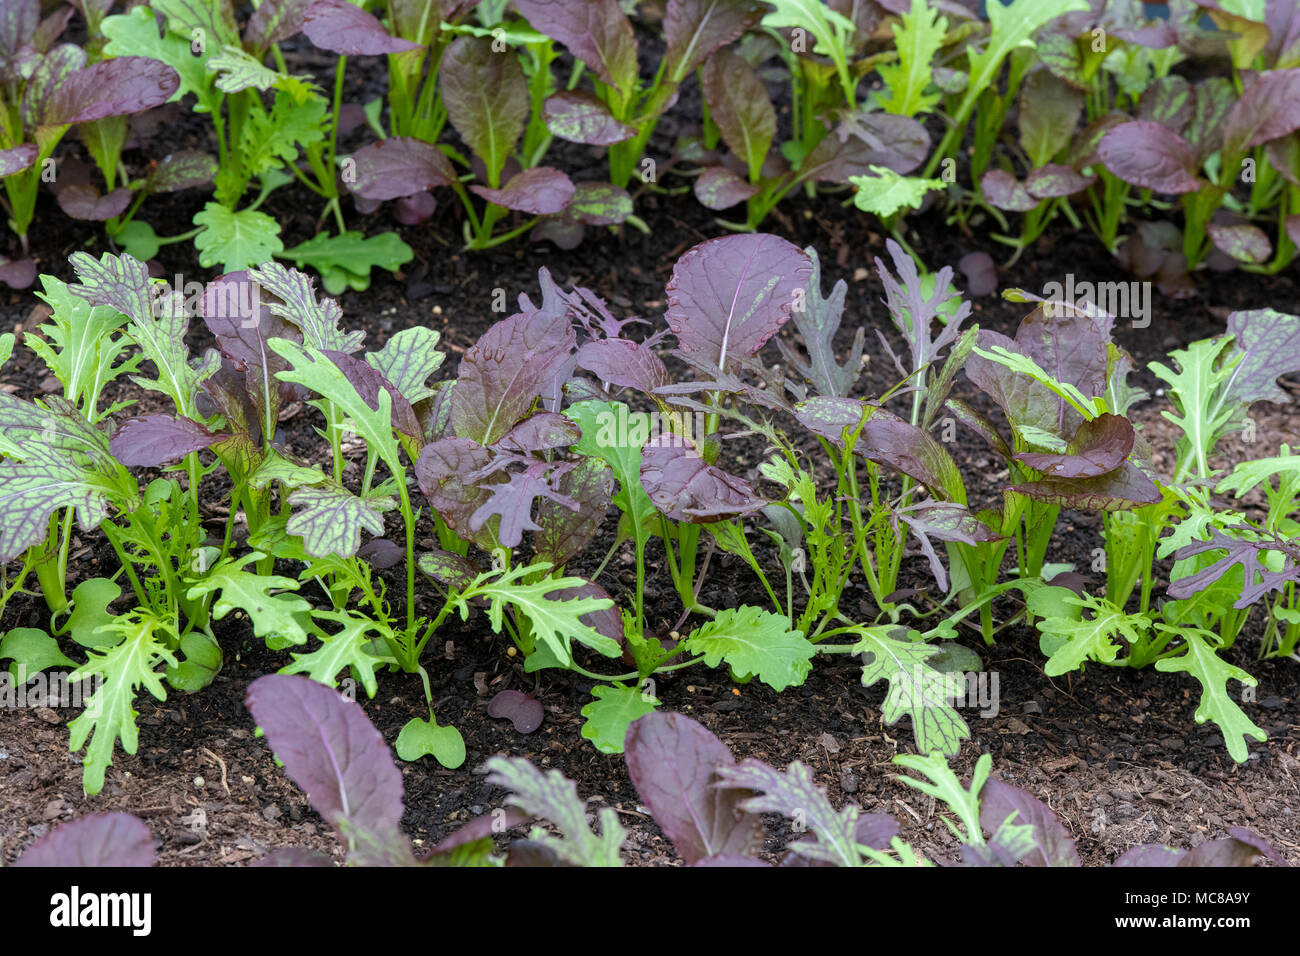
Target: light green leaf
421,738
943,785
886,192
313,369
80,344
755,643
125,667
555,623
279,618
1200,659
31,650
200,664
235,240
612,712
138,240
917,38
90,601
352,252
607,434
915,688
1077,641
349,647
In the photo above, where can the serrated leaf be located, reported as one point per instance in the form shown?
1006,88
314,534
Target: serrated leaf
793,794
347,648
235,240
755,643
136,33
608,716
550,796
351,251
279,618
295,301
125,667
1078,640
915,688
1200,660
917,38
885,192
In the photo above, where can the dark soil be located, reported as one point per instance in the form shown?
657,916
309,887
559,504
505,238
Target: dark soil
1117,754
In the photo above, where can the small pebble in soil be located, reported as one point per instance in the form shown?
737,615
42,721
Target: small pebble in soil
198,782
1033,707
849,782
270,812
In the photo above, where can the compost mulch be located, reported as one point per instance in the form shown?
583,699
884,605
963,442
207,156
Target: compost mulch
1117,754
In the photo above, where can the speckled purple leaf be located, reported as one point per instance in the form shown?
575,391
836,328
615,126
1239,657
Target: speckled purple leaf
579,117
1003,190
1243,242
1053,180
1149,155
540,191
595,31
719,188
563,533
181,170
440,470
685,488
624,363
17,158
505,371
113,87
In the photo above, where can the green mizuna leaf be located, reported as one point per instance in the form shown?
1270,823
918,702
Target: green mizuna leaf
235,240
315,370
555,623
601,424
915,688
281,619
1200,659
1071,641
611,713
80,344
349,647
755,643
917,38
885,192
408,359
551,797
131,663
1201,393
330,519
